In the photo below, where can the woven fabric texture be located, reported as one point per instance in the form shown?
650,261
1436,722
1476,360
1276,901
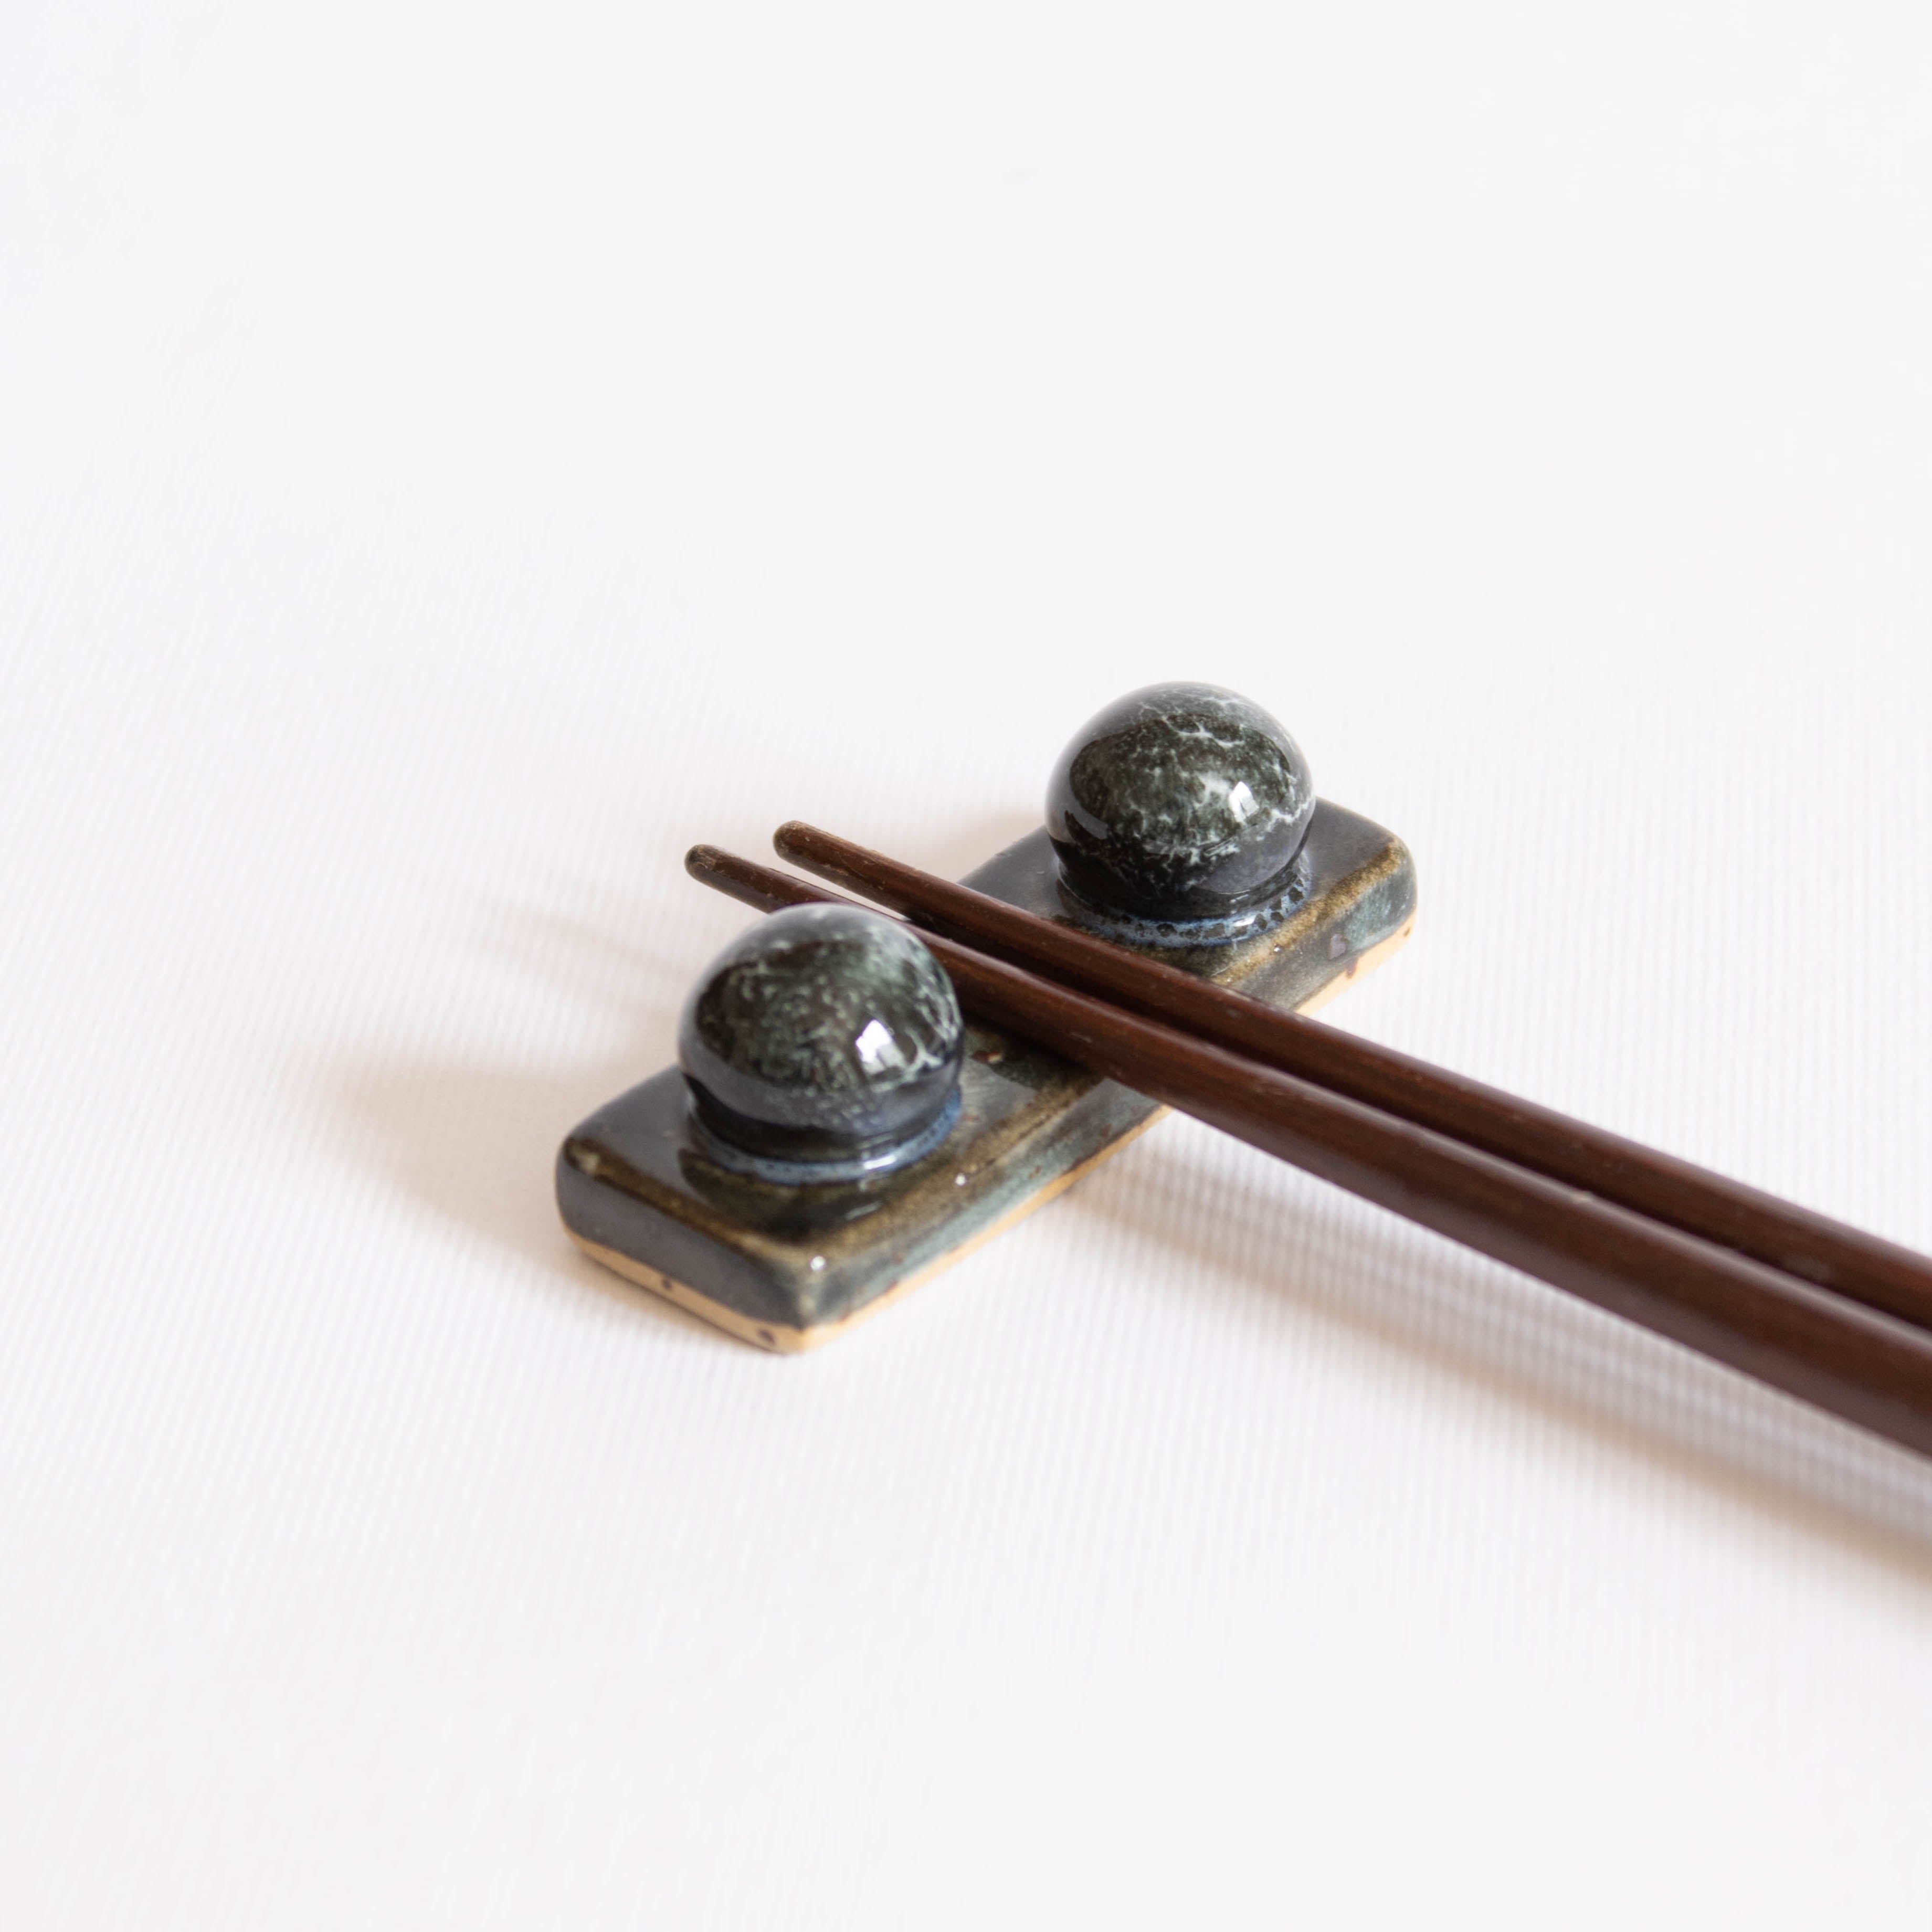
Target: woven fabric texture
451,460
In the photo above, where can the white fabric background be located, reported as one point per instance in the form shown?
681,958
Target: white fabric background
453,457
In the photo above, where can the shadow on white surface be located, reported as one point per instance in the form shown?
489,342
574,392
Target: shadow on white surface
474,1140
475,1144
1235,1231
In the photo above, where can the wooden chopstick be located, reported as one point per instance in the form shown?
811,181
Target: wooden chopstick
1865,1367
1691,1198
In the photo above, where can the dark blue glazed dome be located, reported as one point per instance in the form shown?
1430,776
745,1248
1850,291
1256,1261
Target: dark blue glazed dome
827,1035
1181,804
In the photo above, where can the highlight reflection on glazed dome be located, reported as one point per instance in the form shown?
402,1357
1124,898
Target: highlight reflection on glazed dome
1179,803
827,1034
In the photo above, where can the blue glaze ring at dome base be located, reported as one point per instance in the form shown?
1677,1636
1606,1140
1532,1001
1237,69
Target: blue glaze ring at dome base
1132,929
874,1160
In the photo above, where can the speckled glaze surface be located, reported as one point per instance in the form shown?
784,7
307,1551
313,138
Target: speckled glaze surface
787,1267
826,1037
1178,813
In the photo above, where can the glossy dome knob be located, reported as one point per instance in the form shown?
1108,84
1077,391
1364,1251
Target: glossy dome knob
1180,808
827,1038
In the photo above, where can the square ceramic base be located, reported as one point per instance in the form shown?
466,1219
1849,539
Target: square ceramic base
790,1267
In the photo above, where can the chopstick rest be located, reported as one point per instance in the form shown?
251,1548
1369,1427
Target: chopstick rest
654,1186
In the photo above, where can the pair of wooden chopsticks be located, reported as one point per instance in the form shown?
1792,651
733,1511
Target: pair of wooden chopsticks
1834,1316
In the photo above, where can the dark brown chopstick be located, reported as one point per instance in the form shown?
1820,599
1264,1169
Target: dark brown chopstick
1864,1366
1691,1198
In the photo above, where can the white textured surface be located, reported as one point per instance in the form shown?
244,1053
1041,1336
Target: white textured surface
452,458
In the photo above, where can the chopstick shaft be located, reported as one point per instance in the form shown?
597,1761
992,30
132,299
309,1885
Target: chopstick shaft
1691,1198
1864,1366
